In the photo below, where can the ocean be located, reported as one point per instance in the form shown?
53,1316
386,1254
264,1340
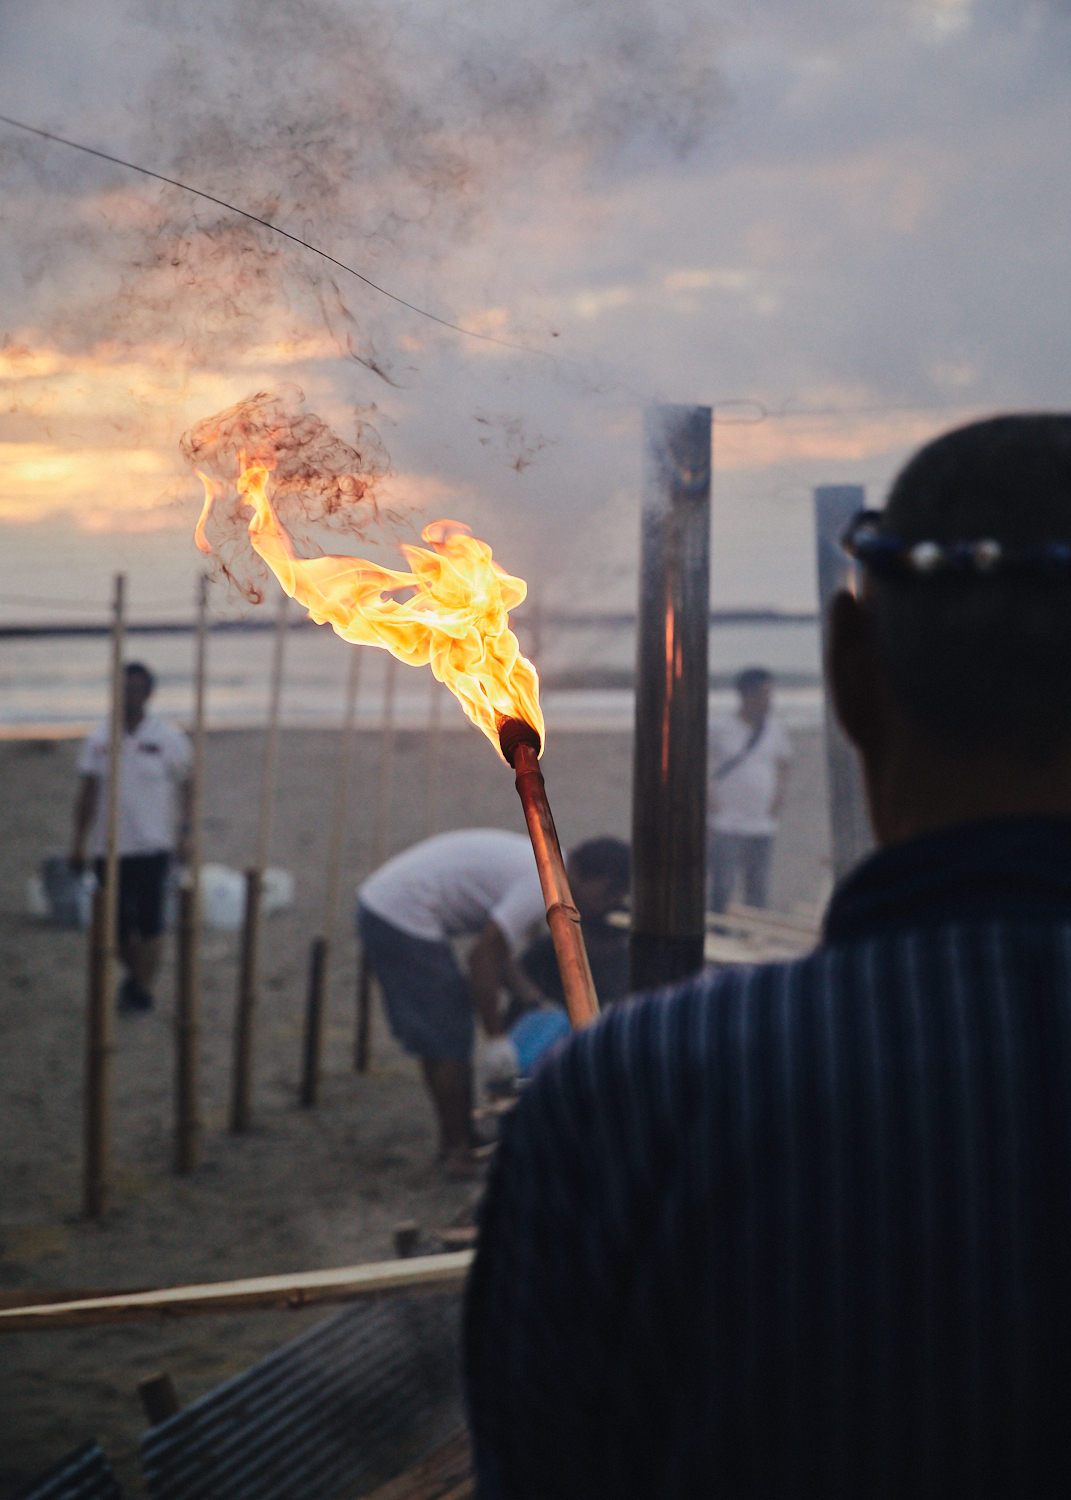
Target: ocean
57,685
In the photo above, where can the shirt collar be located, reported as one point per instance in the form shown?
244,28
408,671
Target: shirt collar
1010,868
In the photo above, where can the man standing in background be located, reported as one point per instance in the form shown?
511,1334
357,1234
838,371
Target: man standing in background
749,757
155,759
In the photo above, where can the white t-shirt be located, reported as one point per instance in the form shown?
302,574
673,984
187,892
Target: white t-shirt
455,883
741,800
153,759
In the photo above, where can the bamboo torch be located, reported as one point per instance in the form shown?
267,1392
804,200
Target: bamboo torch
188,998
455,616
520,746
242,1075
102,948
320,952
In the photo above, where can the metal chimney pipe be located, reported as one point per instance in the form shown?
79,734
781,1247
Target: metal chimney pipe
849,823
669,779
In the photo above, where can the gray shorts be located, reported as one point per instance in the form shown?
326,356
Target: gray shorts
426,996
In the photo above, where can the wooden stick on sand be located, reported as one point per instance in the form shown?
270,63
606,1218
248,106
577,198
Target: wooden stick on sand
242,1075
435,721
362,1050
321,946
188,997
102,948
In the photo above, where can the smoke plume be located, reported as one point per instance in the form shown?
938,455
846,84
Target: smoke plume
320,484
385,137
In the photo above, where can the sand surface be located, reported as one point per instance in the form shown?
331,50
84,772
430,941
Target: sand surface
303,1190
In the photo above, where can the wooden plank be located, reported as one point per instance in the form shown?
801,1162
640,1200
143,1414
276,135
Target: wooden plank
446,1474
764,920
739,950
300,1289
747,935
36,1296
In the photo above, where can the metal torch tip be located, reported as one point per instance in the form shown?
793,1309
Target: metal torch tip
513,733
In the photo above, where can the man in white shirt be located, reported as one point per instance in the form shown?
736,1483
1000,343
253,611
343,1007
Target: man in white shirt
155,759
749,760
479,882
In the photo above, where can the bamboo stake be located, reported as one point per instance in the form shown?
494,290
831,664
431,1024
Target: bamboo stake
386,762
188,1000
321,946
242,1076
435,718
271,752
102,948
362,1051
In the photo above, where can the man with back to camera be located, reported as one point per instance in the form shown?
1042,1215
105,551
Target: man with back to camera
155,758
475,882
750,755
805,1228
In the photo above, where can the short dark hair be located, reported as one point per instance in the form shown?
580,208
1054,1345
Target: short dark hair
983,662
138,668
752,678
604,858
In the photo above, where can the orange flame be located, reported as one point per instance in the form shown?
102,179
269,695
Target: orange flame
456,618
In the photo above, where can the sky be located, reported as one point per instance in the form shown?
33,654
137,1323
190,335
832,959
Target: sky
843,225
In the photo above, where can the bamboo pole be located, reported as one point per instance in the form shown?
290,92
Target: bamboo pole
362,1049
386,762
188,1000
520,746
299,1289
435,720
242,1075
102,947
851,838
320,951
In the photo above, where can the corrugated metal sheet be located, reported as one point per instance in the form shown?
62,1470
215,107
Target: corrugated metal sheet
84,1474
328,1416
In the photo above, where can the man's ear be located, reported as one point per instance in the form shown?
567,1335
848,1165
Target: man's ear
852,672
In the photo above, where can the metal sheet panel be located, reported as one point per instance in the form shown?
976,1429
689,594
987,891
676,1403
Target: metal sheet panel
84,1474
669,779
328,1416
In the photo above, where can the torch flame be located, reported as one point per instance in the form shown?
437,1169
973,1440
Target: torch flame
456,618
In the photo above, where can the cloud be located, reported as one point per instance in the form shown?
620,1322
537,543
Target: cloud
855,208
382,137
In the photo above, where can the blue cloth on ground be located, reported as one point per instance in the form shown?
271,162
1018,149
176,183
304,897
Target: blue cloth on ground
536,1033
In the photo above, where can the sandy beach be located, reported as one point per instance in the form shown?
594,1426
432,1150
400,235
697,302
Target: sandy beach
304,1189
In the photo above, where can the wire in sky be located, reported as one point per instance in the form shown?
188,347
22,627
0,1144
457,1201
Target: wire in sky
133,166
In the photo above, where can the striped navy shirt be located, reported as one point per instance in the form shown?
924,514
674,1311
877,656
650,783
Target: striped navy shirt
803,1229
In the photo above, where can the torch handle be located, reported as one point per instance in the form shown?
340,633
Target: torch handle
563,919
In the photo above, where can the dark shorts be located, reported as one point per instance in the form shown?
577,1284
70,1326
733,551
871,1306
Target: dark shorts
425,993
747,854
142,883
